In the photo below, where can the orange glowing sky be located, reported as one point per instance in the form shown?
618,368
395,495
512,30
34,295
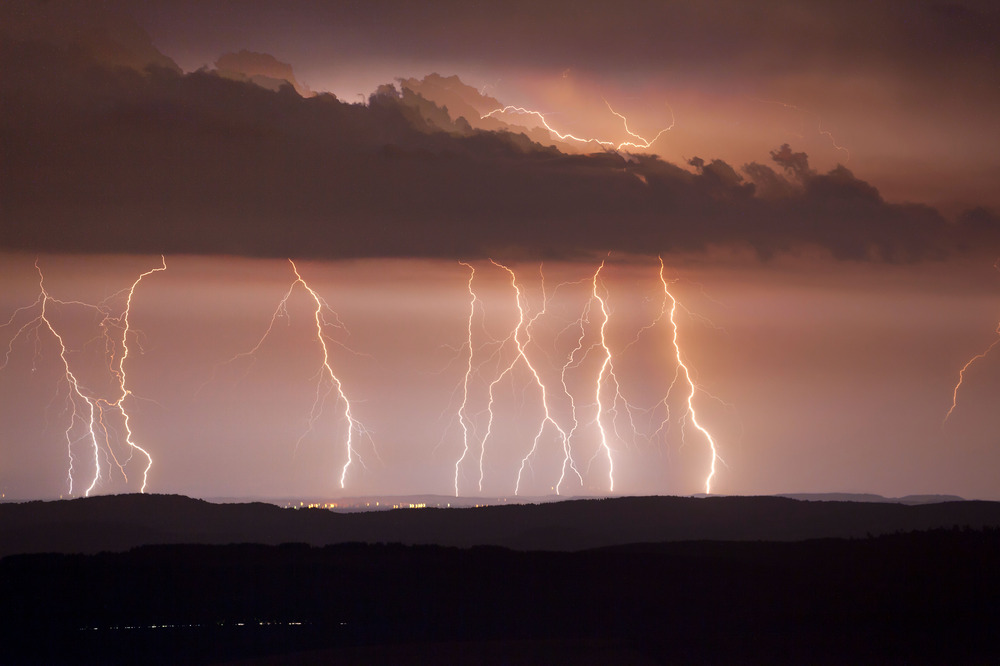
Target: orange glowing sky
811,380
823,189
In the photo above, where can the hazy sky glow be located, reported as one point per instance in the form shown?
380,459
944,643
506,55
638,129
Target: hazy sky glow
828,380
822,191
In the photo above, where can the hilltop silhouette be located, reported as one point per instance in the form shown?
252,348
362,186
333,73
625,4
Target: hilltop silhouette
120,522
158,579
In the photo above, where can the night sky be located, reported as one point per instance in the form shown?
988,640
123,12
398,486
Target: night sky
821,190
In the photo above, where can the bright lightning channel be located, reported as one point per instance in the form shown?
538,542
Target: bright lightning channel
120,373
521,343
606,376
607,369
327,380
978,357
640,142
961,373
572,362
463,417
819,125
692,388
593,323
85,409
521,336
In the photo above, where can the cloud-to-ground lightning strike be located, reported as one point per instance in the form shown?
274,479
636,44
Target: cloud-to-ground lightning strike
571,361
640,142
120,373
961,373
327,381
86,410
978,357
575,384
605,402
521,354
692,388
607,369
606,376
520,336
463,416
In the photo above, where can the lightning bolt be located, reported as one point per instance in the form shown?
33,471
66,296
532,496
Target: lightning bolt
819,125
961,373
833,141
587,337
492,386
86,411
521,343
463,416
71,401
571,362
978,357
327,380
692,388
124,392
642,142
639,142
607,369
519,338
606,376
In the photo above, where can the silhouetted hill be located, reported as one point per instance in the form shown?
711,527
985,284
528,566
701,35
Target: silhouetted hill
871,497
117,523
915,598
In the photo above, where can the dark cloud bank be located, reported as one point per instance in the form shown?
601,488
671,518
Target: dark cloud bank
127,154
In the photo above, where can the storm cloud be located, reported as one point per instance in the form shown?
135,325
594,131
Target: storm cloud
128,154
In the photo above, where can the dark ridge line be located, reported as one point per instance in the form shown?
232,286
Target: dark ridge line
122,522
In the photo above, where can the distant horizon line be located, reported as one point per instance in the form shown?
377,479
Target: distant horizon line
385,501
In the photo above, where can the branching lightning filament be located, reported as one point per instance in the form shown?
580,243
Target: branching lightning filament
978,357
607,369
586,401
463,416
692,388
327,381
638,141
86,408
961,373
520,336
557,353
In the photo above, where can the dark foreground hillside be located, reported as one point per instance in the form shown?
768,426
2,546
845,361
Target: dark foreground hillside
920,597
115,523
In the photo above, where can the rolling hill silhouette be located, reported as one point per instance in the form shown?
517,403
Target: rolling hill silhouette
157,579
115,523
